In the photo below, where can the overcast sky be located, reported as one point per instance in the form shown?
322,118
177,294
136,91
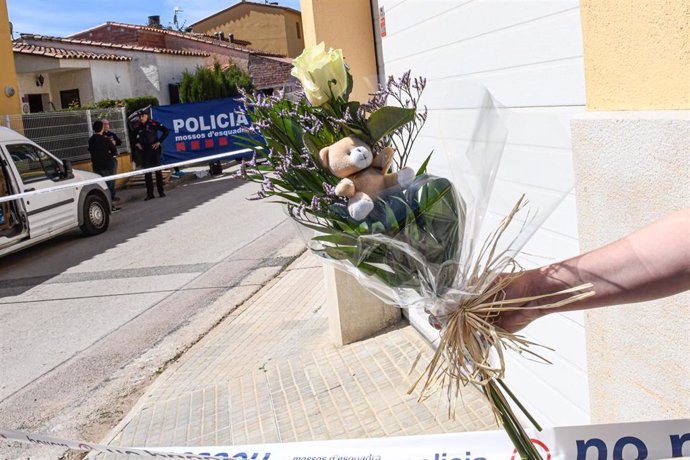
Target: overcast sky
65,17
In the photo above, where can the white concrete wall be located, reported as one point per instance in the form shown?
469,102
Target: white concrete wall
111,79
633,168
149,73
528,53
27,85
170,70
72,79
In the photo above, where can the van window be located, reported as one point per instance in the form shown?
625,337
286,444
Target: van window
32,163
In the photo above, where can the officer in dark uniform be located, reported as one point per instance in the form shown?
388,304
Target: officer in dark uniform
149,141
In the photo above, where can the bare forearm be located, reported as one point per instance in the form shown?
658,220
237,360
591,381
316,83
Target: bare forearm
649,264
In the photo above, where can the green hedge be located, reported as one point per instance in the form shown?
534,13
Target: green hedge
213,83
131,104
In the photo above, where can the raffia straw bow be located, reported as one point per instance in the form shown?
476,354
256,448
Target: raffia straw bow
464,353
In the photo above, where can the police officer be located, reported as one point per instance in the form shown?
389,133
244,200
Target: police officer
149,142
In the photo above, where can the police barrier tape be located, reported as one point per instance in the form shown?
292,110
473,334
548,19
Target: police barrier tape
138,172
625,441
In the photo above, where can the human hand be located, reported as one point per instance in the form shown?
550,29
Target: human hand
156,145
523,285
139,147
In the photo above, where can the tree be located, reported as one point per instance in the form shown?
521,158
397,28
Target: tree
213,83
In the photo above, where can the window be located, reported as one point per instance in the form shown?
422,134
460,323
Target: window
299,30
70,98
33,164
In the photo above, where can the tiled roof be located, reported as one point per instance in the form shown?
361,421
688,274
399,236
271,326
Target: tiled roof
62,53
186,35
244,2
78,41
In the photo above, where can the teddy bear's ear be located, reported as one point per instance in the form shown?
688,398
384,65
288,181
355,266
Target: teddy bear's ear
323,155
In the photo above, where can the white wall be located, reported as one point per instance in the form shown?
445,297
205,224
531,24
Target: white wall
528,53
72,79
111,79
27,85
170,70
149,73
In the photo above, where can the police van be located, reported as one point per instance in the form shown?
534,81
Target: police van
26,167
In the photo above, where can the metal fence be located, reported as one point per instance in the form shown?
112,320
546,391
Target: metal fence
66,134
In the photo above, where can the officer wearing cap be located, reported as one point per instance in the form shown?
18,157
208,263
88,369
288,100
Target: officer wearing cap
148,140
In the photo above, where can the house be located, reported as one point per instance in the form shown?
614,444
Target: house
54,72
616,76
268,27
268,70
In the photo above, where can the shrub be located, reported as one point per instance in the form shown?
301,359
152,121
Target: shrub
133,104
213,83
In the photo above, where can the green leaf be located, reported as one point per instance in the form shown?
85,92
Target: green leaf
422,169
387,120
354,130
313,143
348,90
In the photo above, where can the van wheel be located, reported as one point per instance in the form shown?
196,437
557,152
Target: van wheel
96,215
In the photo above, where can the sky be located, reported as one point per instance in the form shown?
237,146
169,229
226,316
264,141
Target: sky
64,17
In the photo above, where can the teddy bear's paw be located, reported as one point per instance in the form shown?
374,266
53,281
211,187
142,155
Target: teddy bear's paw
406,177
360,208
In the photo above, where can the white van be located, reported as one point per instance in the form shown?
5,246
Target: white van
25,167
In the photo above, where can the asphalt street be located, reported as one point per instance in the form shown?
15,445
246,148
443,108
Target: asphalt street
87,323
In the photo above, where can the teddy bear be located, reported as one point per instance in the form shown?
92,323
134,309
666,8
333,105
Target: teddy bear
364,175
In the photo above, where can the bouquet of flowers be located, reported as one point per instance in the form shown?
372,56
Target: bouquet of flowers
339,167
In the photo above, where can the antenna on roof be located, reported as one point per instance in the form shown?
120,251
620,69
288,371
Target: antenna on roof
178,27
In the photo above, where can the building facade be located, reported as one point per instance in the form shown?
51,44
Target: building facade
57,72
619,74
268,70
264,26
9,93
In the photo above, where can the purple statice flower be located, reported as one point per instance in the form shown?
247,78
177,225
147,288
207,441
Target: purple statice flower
260,195
314,128
419,84
376,101
391,84
268,185
405,79
328,189
242,172
252,162
315,204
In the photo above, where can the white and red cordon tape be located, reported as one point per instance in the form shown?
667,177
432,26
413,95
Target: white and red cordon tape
138,172
625,441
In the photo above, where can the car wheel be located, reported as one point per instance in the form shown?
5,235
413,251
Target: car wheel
96,215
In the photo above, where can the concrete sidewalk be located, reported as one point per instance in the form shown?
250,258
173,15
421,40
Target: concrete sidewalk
269,373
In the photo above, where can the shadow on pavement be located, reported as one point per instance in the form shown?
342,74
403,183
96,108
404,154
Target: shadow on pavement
37,264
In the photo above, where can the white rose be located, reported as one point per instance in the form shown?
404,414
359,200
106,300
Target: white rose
315,68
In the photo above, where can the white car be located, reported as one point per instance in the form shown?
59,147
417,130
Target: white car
25,167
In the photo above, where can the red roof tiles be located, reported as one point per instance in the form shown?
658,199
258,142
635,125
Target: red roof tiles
185,35
62,53
77,41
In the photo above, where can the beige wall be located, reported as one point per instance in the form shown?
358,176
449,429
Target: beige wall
632,158
8,76
267,28
294,34
637,54
344,24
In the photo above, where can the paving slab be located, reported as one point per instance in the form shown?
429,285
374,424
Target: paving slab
269,373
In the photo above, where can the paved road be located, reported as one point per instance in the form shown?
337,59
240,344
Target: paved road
86,323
